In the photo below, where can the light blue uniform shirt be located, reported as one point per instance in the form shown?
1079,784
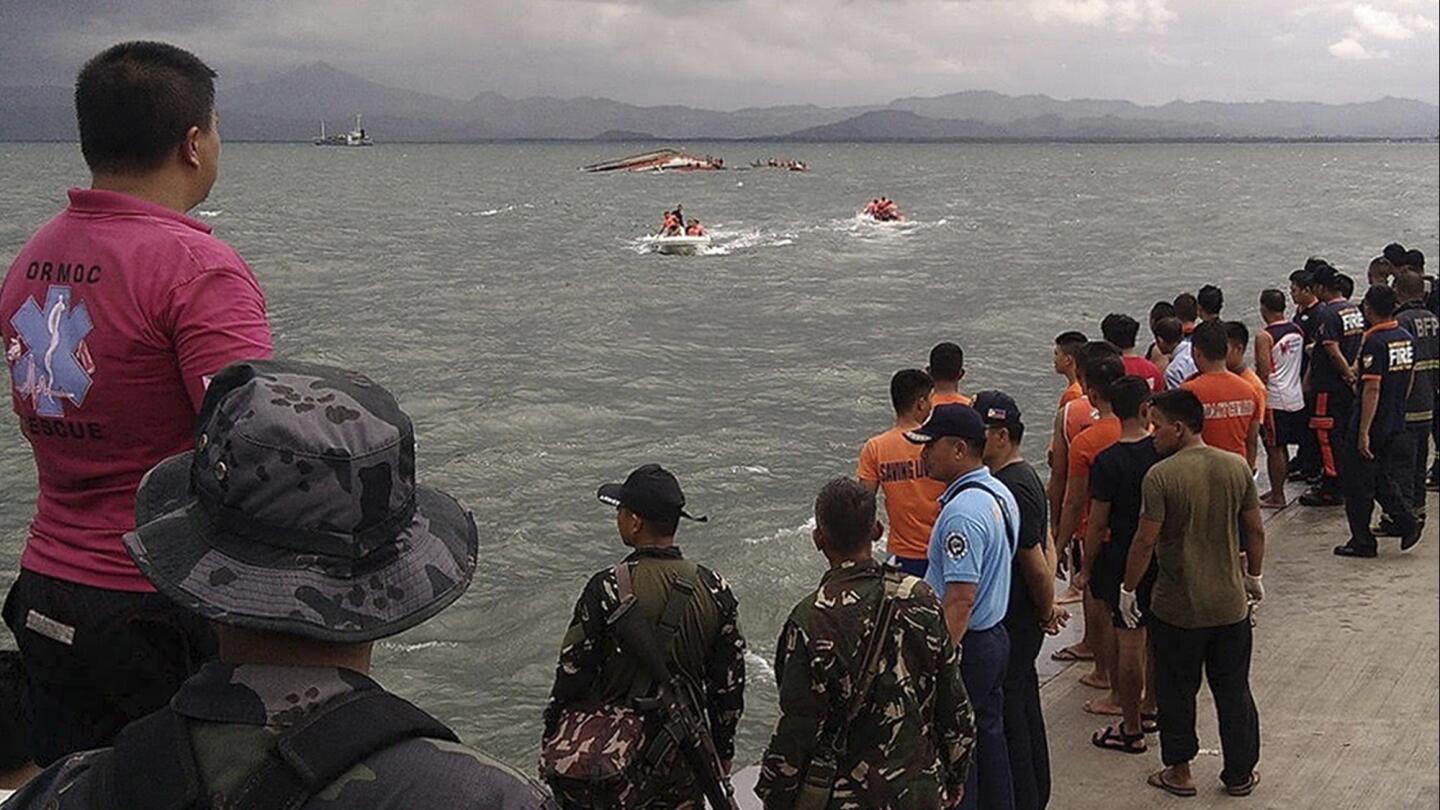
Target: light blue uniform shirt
1182,365
970,544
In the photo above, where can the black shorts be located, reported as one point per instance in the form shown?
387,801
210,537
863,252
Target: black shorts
1283,428
96,659
1108,575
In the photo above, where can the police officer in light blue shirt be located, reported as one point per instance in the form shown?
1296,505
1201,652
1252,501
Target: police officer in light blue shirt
971,549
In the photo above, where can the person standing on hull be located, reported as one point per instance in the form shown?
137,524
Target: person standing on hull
892,465
1332,376
303,537
1424,328
1115,484
114,316
706,649
1032,611
947,369
867,718
971,551
1279,358
1379,457
1192,504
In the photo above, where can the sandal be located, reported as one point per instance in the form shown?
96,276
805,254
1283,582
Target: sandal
1069,654
1150,723
1114,738
1245,789
1157,779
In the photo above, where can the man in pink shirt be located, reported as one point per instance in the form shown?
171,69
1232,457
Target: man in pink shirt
1122,331
113,317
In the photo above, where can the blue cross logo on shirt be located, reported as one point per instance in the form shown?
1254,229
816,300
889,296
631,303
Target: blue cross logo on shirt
50,371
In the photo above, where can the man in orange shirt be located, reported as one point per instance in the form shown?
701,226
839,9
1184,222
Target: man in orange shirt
947,369
1234,410
1237,336
1101,371
891,463
1067,364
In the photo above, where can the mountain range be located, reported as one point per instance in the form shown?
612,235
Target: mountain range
290,107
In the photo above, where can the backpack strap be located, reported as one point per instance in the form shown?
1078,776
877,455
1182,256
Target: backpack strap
122,781
322,747
1012,534
681,590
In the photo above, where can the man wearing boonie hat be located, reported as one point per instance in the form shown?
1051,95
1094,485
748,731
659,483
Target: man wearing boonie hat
971,550
707,648
297,527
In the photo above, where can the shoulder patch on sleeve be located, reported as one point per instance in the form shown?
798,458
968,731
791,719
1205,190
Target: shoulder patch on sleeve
956,545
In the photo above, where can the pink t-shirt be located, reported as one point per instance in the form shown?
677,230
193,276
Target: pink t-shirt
1145,370
114,316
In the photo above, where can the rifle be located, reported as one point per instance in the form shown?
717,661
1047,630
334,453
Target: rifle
675,702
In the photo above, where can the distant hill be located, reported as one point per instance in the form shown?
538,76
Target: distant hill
290,106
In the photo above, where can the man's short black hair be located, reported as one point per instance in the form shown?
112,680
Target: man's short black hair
1344,284
1314,263
1395,252
1273,301
947,362
1181,405
1127,394
1415,260
1186,308
1170,330
13,751
1120,330
1102,369
1162,309
1381,300
1211,341
1409,286
845,511
135,101
1237,333
1304,278
1071,343
907,387
1211,299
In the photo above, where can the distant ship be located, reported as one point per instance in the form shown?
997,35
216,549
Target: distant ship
355,137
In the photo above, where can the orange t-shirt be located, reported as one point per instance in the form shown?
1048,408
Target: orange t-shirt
1091,442
1254,379
937,400
1073,392
912,500
1078,415
1231,406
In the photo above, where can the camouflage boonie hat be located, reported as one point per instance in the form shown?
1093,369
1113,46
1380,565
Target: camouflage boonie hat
298,511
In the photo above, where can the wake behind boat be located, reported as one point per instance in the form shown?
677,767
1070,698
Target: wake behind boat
680,245
661,160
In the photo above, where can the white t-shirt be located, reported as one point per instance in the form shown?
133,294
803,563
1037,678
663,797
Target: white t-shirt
1283,390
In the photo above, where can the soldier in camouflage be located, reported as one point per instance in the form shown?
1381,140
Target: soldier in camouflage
296,526
909,747
707,648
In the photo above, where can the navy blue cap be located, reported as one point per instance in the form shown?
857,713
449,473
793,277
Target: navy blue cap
960,421
997,409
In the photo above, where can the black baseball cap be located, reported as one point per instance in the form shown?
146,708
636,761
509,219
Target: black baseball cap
997,409
651,491
960,421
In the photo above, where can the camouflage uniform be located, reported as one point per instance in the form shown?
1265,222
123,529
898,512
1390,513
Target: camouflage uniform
236,713
708,649
910,746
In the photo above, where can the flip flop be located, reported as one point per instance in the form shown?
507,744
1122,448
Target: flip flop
1150,723
1245,789
1069,654
1157,779
1268,505
1069,598
1089,708
1088,679
1112,738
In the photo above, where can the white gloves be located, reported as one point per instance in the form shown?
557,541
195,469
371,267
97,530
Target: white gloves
1129,608
1254,588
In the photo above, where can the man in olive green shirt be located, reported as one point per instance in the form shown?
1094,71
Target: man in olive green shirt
1193,504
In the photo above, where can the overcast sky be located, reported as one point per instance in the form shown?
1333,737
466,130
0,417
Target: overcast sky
733,53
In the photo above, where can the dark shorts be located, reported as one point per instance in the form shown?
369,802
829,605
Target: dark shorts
95,659
1284,428
910,565
1106,578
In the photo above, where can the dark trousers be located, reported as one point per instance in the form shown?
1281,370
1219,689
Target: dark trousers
1024,723
1331,422
915,567
1376,479
1307,457
1224,655
95,659
984,656
1416,452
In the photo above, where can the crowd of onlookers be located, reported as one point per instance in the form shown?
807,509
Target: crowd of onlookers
221,537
